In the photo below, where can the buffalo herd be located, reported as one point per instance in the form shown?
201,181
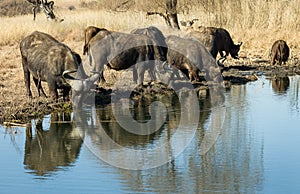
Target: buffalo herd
143,49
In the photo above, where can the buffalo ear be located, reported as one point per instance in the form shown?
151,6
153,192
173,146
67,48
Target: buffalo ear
239,43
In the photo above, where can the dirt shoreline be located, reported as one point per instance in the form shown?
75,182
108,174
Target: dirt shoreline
16,107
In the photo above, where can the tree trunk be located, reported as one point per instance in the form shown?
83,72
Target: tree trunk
171,11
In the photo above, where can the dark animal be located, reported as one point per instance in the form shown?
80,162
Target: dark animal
280,84
224,41
191,57
157,36
89,33
205,37
49,150
120,51
160,45
280,52
46,7
46,59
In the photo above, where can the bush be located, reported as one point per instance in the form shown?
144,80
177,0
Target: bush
12,8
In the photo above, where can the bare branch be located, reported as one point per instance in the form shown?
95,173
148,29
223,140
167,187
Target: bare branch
162,15
124,6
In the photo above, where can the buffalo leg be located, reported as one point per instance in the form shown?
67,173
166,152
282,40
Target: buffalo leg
221,53
280,61
66,91
135,74
151,71
26,77
101,77
53,90
273,60
39,87
140,73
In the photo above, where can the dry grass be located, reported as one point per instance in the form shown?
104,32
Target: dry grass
257,23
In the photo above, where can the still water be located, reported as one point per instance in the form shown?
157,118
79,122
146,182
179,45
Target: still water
257,149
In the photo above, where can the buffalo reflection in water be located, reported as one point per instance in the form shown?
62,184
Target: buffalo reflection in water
48,150
112,142
139,110
280,85
233,165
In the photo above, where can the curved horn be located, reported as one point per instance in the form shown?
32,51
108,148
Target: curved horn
66,73
166,66
81,85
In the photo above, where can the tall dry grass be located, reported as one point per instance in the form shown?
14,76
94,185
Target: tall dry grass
257,23
13,29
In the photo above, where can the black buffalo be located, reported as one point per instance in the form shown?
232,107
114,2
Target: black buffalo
223,40
190,56
280,52
120,51
160,45
205,37
89,33
46,59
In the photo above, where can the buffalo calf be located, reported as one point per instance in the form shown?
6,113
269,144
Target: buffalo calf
280,52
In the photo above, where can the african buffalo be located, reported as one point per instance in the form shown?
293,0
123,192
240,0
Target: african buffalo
205,37
160,45
120,51
46,59
190,56
280,52
224,41
89,33
156,35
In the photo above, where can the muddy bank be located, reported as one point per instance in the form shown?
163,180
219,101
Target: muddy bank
21,111
15,106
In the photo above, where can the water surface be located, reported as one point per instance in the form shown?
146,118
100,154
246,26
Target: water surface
256,151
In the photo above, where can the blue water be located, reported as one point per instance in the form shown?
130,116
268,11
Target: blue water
257,151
